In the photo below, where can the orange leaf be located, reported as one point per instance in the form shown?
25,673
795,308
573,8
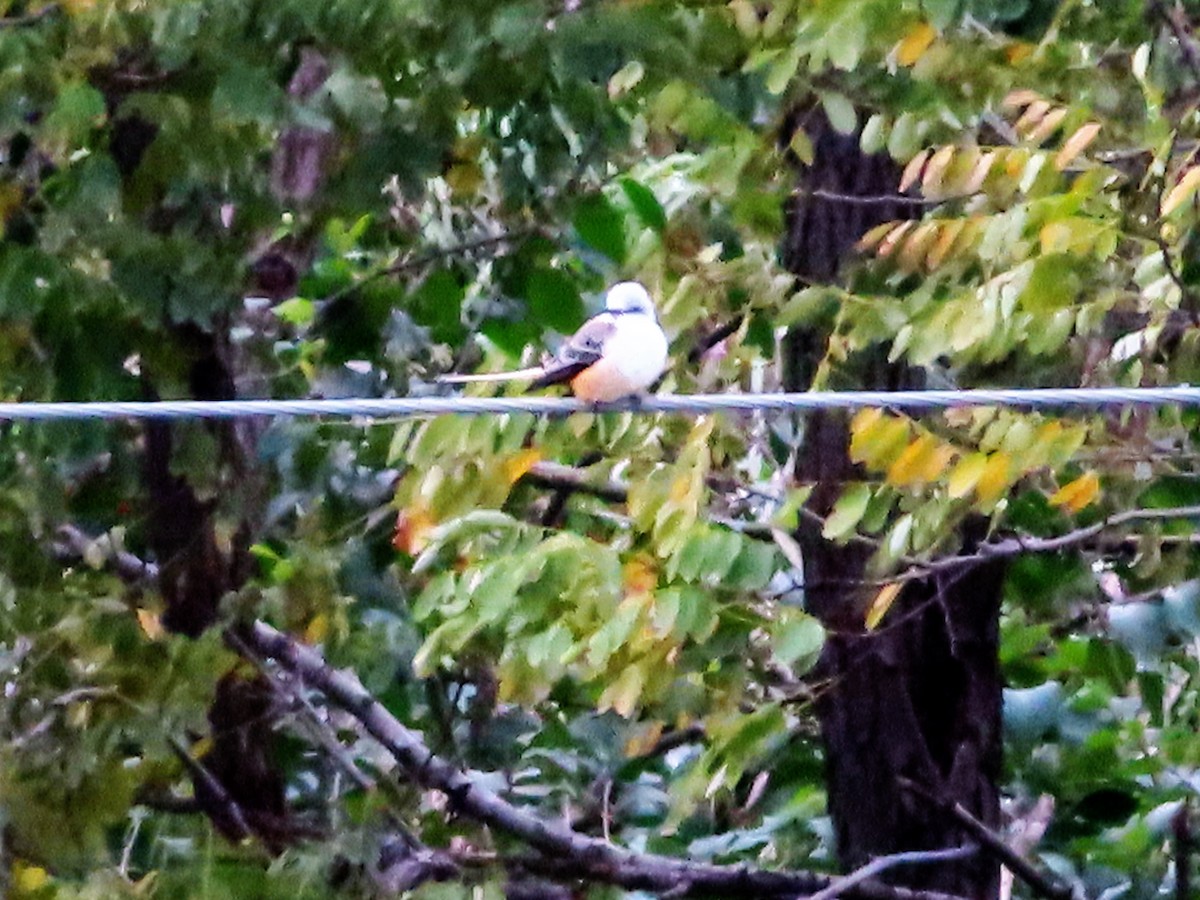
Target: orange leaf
1076,144
412,530
893,239
644,739
151,624
913,170
914,44
1032,115
1017,99
874,236
1077,494
639,575
931,178
1048,126
921,461
1183,191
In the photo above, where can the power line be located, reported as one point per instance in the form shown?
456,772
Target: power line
396,407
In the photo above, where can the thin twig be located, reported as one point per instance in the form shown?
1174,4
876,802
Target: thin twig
407,262
872,199
883,863
563,477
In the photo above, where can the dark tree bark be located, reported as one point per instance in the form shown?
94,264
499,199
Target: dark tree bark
918,699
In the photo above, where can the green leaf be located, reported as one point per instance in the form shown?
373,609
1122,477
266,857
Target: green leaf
438,304
796,639
601,226
644,203
554,301
840,111
847,511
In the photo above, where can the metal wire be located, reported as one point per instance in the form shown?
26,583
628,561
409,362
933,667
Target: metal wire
394,407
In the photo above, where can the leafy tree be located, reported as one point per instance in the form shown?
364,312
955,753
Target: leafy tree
600,629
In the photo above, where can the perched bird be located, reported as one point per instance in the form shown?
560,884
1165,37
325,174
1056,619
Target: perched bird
615,354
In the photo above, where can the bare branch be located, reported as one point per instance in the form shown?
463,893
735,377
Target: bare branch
580,856
1016,546
231,811
1043,885
72,542
883,863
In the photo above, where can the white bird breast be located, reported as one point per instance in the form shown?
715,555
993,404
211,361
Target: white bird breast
638,351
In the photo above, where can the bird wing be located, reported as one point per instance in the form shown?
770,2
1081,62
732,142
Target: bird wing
581,350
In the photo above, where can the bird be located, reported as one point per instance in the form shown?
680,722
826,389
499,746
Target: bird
616,354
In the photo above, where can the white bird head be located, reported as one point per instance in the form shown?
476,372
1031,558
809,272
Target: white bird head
629,297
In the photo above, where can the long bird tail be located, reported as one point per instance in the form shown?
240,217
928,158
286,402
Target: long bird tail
517,375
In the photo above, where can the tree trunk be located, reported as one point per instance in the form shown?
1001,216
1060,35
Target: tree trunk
919,698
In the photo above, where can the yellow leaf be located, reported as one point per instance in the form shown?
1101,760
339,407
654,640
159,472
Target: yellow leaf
913,170
1076,144
966,475
1018,50
1055,237
518,465
994,479
27,879
681,489
1077,494
639,575
201,748
317,629
865,419
151,624
880,441
644,740
623,694
464,179
913,253
914,44
945,240
881,604
1183,190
